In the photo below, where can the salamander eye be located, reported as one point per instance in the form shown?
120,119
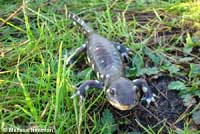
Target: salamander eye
112,91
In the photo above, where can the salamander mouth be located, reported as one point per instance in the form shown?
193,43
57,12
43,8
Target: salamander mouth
122,106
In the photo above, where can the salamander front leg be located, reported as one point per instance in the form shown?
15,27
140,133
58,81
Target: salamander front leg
85,86
148,95
123,50
77,53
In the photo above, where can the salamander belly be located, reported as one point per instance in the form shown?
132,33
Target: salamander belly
104,58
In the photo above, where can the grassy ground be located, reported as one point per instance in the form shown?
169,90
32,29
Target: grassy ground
36,85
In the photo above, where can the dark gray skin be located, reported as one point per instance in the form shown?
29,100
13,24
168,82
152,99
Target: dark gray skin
106,59
106,62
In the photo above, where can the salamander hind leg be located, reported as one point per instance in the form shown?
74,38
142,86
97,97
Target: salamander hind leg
148,95
123,50
85,86
76,54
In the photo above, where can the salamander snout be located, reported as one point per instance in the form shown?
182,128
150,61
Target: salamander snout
122,94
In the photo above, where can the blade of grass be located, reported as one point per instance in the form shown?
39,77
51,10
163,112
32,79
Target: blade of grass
58,84
12,25
27,95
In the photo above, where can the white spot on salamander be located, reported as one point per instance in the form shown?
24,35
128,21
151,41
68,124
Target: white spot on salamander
107,76
102,76
97,81
115,53
144,89
135,80
82,22
118,47
87,87
97,48
78,19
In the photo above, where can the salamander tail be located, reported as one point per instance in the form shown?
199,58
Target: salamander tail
80,22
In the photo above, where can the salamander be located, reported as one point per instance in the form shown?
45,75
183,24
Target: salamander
106,59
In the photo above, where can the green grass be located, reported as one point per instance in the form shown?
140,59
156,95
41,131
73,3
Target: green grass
36,85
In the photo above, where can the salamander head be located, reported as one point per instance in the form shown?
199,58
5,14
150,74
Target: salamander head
122,94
